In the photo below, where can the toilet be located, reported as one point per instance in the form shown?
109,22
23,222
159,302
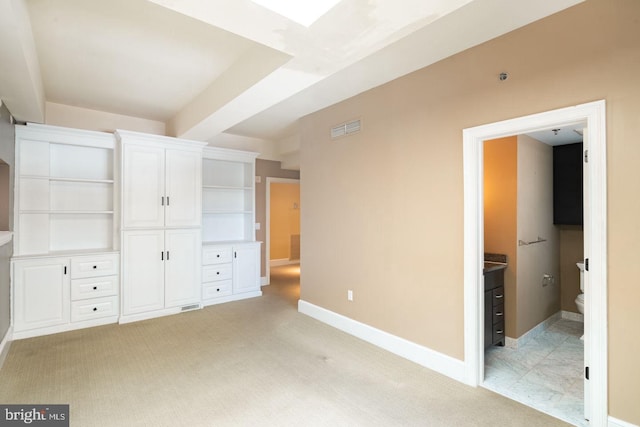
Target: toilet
580,297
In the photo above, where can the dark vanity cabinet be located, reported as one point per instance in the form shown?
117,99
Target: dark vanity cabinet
567,184
494,307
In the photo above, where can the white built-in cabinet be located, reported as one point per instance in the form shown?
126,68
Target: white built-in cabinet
114,227
65,215
230,254
161,231
162,187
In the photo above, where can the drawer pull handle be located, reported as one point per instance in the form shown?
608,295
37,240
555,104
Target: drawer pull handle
499,296
499,313
499,331
95,288
95,308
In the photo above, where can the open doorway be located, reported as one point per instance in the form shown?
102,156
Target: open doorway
283,227
533,216
593,114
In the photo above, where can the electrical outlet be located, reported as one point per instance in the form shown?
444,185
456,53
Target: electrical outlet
257,226
350,295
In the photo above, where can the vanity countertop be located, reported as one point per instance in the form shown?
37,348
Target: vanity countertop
494,262
493,266
5,237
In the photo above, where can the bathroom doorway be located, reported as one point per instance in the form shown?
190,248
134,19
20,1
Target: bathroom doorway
536,316
593,114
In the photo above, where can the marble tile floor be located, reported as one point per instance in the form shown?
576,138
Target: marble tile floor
545,373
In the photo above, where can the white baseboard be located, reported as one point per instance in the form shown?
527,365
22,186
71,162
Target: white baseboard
283,261
614,422
569,315
5,344
419,354
533,332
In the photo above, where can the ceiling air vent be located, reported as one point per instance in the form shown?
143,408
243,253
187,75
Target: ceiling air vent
346,129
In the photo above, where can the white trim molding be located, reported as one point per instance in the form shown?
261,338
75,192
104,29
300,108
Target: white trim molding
416,353
5,344
614,422
533,332
592,114
283,261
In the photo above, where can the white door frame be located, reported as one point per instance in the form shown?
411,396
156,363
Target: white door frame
267,245
593,114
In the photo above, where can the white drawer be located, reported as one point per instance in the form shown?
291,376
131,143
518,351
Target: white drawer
94,266
212,273
94,308
216,289
94,287
216,255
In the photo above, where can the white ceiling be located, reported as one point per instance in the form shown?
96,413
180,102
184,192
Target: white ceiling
207,67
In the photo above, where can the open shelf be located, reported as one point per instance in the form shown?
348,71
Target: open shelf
65,190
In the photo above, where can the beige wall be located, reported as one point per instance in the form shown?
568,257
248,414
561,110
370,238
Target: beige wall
264,169
383,209
83,118
571,252
284,219
536,301
501,213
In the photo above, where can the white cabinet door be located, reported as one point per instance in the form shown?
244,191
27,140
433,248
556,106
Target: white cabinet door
246,268
182,267
143,272
183,183
42,293
143,186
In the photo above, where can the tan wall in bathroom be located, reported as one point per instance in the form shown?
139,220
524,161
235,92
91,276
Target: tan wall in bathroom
501,213
536,301
571,251
384,208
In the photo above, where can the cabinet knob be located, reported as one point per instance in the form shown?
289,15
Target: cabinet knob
499,296
499,314
95,308
217,272
499,331
218,256
95,266
217,289
95,288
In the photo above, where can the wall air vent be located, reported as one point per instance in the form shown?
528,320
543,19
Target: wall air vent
346,129
190,307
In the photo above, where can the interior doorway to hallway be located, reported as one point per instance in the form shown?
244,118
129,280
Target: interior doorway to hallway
282,245
593,114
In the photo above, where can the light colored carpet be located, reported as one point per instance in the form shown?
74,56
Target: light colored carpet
256,362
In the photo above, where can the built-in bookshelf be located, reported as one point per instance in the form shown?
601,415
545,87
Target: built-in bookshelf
65,190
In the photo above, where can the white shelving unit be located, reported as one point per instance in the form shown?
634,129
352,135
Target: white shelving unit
64,191
231,256
65,216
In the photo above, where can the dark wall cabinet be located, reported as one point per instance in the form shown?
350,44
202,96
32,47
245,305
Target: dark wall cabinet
567,184
494,308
